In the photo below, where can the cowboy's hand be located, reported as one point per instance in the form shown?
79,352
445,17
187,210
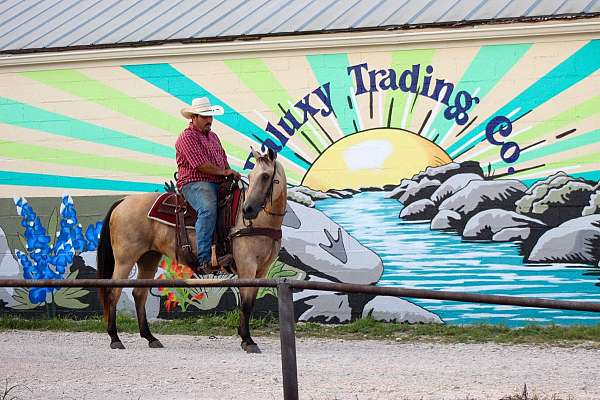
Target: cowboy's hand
229,172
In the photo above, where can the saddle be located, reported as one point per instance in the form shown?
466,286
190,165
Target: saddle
172,209
165,207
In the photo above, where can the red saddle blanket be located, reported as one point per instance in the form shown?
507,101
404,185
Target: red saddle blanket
163,210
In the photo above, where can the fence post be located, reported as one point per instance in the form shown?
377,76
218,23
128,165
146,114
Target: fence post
288,341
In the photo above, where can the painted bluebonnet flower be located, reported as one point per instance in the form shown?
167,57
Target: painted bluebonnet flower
44,260
69,227
63,257
92,235
38,294
35,262
29,272
35,234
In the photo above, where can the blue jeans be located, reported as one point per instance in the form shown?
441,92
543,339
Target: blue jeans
203,197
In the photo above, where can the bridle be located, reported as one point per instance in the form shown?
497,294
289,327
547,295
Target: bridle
268,199
270,194
250,230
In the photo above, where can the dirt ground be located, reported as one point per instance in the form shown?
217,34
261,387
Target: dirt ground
58,365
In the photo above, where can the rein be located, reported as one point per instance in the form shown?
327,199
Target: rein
274,234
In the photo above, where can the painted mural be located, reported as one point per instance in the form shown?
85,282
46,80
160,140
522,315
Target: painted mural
465,168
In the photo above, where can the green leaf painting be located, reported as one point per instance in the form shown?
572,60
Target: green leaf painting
280,270
21,296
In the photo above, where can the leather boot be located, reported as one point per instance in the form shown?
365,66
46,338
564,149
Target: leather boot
208,268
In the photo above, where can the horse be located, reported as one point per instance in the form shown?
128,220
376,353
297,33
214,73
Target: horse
128,237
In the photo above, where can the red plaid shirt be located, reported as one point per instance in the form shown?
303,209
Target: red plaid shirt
194,148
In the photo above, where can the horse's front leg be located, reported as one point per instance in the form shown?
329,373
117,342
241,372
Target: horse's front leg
248,297
253,256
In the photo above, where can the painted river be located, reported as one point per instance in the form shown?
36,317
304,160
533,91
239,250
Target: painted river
416,257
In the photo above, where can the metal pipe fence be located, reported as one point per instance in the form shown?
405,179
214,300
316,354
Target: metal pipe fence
286,304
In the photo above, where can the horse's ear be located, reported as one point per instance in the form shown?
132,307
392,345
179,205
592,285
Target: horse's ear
255,153
272,154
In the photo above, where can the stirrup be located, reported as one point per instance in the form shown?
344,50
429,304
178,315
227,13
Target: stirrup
208,268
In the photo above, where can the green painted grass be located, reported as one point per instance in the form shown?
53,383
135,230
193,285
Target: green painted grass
226,325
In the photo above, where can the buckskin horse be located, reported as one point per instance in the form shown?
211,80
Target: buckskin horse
128,237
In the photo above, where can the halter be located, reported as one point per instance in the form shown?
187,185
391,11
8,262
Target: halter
270,194
268,198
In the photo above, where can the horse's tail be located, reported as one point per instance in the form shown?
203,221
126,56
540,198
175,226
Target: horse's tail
105,259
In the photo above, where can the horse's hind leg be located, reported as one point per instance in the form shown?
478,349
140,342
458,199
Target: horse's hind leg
113,298
147,266
121,271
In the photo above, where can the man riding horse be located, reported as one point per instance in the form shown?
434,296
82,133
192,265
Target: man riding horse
201,166
131,236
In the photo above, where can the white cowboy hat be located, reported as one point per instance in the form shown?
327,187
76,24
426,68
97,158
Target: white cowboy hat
201,106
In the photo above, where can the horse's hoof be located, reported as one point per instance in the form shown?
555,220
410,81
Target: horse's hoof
251,348
117,345
155,344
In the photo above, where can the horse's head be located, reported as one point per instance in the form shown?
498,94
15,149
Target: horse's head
266,188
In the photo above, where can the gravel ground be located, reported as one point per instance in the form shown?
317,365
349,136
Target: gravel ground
59,365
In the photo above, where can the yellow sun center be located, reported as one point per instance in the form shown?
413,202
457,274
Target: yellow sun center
375,157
